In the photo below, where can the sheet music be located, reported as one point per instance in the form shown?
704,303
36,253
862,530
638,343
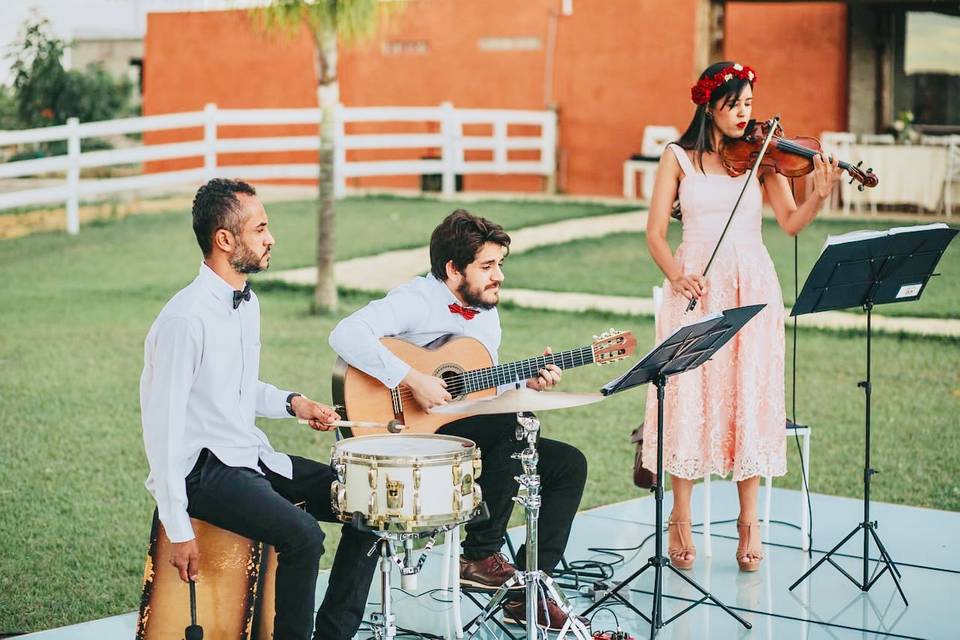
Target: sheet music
869,234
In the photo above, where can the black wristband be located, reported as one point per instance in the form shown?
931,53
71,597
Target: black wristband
289,400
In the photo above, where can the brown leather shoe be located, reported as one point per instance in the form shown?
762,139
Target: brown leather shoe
489,573
515,612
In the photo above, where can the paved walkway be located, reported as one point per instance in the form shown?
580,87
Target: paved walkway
384,271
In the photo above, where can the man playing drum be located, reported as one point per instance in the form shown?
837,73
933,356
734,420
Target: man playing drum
459,297
199,394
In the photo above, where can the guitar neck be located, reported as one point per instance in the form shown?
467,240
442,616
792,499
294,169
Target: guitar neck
521,370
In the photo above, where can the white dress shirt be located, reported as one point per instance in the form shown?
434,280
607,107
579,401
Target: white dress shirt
417,312
200,389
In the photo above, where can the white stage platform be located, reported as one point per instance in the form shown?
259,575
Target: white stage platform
925,544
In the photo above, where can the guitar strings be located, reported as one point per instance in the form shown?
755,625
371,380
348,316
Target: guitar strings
459,383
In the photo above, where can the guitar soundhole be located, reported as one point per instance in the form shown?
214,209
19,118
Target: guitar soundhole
450,373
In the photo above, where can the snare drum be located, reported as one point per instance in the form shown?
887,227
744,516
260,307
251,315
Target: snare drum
406,482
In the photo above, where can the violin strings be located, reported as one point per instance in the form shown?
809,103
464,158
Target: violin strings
792,147
786,145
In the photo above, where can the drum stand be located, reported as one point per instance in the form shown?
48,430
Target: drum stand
384,621
535,581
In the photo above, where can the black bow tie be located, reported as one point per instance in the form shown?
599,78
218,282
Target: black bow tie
240,296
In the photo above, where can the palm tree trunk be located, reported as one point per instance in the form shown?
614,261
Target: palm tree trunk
325,293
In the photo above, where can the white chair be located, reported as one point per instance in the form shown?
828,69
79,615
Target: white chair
935,141
655,140
841,142
953,172
877,138
800,430
803,432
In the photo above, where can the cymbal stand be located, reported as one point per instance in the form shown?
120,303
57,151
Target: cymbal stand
539,586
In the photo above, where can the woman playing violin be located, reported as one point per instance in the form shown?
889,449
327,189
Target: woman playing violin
728,415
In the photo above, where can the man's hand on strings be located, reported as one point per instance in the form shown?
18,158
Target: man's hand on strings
548,377
428,391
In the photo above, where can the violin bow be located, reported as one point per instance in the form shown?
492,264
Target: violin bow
774,123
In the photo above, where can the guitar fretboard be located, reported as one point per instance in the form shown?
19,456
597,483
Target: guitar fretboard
480,379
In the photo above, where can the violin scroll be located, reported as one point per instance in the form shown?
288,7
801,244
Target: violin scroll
866,178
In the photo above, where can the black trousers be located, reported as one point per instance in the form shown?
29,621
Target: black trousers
563,473
261,507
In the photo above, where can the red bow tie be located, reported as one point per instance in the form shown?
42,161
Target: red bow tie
467,313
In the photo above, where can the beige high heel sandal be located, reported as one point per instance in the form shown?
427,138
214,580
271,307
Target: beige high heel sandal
748,560
677,553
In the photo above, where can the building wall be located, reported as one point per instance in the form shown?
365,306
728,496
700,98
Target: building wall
436,51
864,41
610,69
191,59
625,65
799,50
607,82
114,55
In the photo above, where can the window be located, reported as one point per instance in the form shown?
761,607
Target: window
927,67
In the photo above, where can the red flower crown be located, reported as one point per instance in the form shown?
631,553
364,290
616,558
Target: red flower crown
700,92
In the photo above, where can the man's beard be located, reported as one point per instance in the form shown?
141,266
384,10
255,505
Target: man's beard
244,260
473,296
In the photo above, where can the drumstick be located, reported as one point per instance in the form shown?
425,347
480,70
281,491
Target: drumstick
393,426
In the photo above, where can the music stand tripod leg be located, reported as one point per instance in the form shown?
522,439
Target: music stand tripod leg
658,561
891,565
869,526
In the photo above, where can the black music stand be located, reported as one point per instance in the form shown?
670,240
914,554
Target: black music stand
688,348
865,269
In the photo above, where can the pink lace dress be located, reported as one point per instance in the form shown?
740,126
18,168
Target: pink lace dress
727,415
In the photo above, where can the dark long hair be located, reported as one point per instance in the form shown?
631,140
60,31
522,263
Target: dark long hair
699,134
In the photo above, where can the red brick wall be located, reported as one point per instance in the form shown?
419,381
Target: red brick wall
618,66
800,53
622,65
222,57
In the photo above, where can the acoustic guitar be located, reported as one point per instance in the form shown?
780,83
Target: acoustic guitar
466,366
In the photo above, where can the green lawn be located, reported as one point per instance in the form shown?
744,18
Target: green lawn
74,516
620,265
371,225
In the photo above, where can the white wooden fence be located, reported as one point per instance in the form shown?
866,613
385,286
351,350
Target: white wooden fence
450,141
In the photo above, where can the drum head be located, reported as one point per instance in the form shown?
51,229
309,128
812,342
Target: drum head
423,446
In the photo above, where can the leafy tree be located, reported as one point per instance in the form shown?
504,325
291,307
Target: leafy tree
8,110
327,21
45,93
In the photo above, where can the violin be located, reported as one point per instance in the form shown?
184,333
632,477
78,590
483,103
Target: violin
790,157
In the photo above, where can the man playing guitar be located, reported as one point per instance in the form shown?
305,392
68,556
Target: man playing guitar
459,298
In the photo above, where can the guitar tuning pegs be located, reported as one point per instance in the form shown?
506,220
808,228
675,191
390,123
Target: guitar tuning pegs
851,180
860,188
